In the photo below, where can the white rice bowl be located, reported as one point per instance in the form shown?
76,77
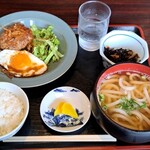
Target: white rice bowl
14,108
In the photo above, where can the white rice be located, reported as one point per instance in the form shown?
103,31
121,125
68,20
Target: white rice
11,111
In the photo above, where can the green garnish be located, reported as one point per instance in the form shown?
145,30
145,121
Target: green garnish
129,105
104,107
45,44
101,97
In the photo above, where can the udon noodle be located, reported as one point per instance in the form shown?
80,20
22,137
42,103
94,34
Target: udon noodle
125,97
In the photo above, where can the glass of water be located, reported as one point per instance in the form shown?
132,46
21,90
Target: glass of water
93,24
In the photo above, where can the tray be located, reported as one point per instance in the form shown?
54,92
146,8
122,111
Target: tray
82,75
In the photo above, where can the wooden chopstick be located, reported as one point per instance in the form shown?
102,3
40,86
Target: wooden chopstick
64,138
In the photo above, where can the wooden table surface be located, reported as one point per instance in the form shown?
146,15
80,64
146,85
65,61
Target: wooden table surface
123,12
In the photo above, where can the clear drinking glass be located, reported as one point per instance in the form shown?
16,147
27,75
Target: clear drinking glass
93,24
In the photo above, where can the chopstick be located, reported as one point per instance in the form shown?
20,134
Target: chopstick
64,138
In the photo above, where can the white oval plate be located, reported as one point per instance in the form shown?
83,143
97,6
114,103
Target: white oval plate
68,46
68,94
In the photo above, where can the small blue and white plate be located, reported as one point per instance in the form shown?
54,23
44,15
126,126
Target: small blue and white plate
76,98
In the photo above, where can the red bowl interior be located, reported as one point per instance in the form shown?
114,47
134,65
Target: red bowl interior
134,67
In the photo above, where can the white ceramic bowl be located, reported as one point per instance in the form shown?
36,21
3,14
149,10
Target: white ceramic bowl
22,96
124,39
68,94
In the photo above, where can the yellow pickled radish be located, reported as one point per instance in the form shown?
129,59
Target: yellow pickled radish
58,109
66,109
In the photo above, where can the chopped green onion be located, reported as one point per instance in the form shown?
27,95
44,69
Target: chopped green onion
129,105
104,107
101,97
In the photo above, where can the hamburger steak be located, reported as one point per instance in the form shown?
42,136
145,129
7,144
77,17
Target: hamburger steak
16,37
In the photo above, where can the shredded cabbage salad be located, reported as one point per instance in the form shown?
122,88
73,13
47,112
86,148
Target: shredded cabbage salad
45,44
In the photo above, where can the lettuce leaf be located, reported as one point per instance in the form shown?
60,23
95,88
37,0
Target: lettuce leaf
46,44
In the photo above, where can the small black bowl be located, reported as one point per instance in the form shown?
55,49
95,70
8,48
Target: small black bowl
107,124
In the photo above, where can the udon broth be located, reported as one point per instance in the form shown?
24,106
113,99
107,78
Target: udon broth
125,97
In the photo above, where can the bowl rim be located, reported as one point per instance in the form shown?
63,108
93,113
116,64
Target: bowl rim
96,97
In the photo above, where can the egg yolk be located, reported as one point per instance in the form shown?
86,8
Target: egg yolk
66,109
20,60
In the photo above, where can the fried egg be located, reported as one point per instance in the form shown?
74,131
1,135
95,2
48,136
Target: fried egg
21,63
